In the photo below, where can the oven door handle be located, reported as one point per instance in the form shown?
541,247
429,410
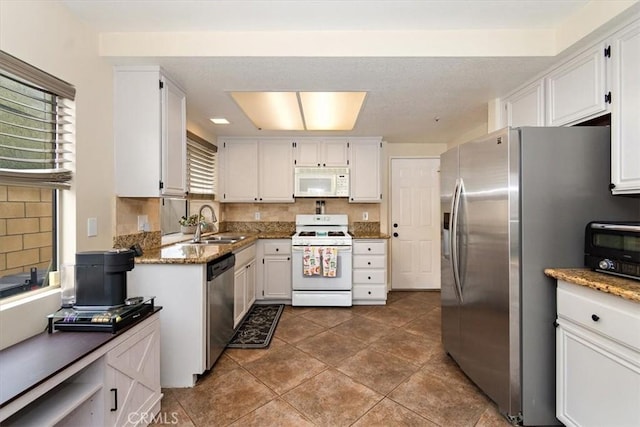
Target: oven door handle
340,248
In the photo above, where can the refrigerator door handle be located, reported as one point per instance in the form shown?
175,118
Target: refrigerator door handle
453,236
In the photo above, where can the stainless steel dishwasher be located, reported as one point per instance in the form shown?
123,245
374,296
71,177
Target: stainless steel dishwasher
219,306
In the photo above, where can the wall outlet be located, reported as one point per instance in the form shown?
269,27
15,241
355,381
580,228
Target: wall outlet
92,227
256,216
365,216
143,223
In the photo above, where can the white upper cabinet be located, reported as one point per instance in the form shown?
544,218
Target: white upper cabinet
257,170
275,168
322,152
576,89
625,115
240,170
149,133
365,185
526,106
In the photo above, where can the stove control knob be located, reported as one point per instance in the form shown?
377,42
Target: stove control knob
605,264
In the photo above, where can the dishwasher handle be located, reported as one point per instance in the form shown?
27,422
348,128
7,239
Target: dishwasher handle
218,266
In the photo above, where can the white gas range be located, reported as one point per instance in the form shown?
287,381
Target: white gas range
322,261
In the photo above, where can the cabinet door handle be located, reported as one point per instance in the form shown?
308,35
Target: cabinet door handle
395,225
368,262
288,259
395,234
595,317
277,249
115,399
369,277
369,292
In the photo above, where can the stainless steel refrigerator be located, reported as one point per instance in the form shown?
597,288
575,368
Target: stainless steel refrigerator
512,204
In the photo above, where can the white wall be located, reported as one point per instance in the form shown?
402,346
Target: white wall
44,34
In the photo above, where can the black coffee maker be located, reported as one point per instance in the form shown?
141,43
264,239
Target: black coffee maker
101,278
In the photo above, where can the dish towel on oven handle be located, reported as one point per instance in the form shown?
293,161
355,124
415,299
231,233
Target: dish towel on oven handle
329,262
311,256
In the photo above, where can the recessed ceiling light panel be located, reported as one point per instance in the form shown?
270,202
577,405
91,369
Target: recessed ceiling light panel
320,110
219,121
331,110
271,110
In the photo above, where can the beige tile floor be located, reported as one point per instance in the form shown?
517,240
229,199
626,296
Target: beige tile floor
360,366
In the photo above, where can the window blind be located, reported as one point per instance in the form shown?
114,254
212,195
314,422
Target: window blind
36,126
201,166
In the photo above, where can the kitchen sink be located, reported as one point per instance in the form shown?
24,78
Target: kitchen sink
225,237
217,240
213,242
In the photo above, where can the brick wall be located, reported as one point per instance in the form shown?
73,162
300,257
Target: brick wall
26,225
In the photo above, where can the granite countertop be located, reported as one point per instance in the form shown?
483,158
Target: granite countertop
186,253
615,285
370,236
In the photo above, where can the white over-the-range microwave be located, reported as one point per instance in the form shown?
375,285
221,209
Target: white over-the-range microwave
321,182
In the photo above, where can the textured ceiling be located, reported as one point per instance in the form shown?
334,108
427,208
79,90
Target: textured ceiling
405,94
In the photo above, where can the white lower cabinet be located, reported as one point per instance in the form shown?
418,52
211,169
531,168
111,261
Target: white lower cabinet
132,379
275,275
84,393
369,272
181,290
597,358
244,283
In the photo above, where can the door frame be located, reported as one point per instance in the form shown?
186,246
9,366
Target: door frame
389,207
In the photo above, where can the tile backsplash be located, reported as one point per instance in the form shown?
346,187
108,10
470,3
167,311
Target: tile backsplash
243,212
236,216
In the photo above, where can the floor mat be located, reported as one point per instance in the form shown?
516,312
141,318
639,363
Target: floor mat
258,327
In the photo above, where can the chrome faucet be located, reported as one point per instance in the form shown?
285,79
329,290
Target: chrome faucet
197,235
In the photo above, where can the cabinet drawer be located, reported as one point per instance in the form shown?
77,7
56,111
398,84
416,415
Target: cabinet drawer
369,247
369,276
277,248
369,261
370,292
245,256
609,315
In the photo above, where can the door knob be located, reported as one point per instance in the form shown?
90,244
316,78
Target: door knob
395,234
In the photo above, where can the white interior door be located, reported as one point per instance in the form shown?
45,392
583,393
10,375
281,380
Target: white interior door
415,209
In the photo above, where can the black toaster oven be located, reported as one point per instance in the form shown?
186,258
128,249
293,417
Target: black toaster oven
613,247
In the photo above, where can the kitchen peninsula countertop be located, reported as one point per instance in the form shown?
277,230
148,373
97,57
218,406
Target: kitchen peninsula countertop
615,285
185,253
